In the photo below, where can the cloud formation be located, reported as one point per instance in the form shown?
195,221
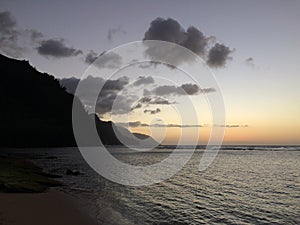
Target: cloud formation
155,100
91,57
134,124
9,35
137,106
8,24
114,96
193,39
109,99
184,89
104,60
14,40
56,48
142,80
218,55
155,111
196,41
165,30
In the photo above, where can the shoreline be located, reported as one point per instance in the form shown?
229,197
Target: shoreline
32,196
47,208
28,196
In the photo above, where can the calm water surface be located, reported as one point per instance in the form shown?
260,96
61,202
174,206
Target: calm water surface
240,187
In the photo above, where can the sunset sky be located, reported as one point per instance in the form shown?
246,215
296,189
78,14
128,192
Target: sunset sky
258,77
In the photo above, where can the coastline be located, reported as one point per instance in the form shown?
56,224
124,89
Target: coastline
47,208
33,194
28,196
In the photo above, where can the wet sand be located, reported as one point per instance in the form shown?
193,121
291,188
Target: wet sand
52,207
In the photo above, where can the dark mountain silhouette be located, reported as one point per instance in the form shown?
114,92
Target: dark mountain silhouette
36,111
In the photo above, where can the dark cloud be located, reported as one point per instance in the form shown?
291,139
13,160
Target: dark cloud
117,84
114,95
104,60
184,89
115,103
91,57
114,31
7,23
14,41
193,39
56,48
11,36
167,90
190,89
165,30
143,81
218,55
155,101
155,111
134,124
137,106
108,97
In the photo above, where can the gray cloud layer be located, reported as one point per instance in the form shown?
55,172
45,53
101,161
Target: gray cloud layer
156,100
192,38
154,111
184,89
108,96
114,97
153,100
14,40
218,55
104,60
91,57
56,48
9,35
170,30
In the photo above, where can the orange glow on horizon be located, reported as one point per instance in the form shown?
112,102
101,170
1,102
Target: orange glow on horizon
238,135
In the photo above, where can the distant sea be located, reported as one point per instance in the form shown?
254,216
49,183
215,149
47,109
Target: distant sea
244,185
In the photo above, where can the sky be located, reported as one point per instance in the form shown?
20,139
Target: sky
257,68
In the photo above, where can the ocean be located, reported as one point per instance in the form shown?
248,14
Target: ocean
243,185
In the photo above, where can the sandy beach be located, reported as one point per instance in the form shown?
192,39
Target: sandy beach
52,207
